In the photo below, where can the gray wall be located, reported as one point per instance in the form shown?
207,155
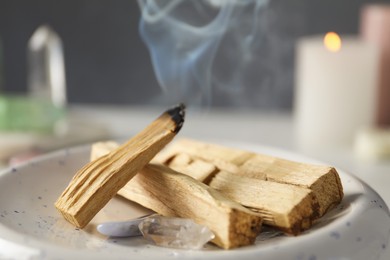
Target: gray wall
106,61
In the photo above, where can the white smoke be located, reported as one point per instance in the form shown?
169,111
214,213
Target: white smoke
204,48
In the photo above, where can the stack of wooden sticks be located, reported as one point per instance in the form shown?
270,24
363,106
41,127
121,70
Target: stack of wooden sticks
231,191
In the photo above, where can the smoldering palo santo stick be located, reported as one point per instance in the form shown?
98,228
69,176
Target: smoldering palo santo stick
99,180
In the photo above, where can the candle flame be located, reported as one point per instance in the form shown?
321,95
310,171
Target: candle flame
332,41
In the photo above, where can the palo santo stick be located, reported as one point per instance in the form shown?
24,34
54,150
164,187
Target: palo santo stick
98,181
171,193
289,208
324,181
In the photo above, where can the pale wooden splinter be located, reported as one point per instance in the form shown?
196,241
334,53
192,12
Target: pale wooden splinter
171,193
98,181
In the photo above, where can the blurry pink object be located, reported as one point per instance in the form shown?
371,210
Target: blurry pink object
375,28
22,157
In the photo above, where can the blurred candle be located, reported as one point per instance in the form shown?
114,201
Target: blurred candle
375,28
334,90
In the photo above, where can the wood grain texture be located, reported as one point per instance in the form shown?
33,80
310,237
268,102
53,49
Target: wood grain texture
289,208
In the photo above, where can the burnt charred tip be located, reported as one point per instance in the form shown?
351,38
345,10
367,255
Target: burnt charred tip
177,114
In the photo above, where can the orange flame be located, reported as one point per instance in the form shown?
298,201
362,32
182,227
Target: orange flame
332,41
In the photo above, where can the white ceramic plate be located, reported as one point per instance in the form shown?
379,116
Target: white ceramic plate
31,228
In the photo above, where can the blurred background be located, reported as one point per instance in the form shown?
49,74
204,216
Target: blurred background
106,61
250,55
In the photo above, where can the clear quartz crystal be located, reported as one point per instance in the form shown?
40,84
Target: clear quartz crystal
46,66
175,232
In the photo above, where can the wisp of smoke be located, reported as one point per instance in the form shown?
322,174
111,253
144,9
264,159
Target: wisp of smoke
203,48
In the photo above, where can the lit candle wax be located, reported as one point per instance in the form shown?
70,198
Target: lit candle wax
334,90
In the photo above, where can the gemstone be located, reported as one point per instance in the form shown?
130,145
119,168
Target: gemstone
175,232
127,228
